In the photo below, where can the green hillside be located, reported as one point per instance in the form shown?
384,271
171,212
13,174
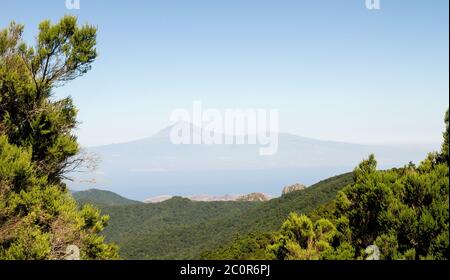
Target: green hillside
173,229
184,229
100,197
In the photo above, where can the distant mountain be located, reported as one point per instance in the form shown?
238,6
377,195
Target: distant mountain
180,228
158,199
154,166
205,197
100,197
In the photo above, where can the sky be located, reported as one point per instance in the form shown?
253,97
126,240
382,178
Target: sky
334,69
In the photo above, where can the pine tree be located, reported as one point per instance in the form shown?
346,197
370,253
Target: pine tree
38,216
444,150
403,211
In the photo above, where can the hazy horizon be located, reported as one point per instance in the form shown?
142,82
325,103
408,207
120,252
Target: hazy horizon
334,69
433,145
154,166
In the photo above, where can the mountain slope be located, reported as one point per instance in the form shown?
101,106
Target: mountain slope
150,231
101,197
182,229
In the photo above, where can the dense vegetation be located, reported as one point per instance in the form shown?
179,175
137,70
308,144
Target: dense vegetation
400,213
183,229
39,218
101,197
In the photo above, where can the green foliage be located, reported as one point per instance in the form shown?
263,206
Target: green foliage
31,244
399,210
248,247
174,229
403,211
269,216
184,229
38,216
28,115
301,239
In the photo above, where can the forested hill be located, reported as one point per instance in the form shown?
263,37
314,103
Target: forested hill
101,197
182,229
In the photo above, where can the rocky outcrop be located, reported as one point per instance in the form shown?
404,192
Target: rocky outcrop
206,198
293,188
373,253
72,253
254,197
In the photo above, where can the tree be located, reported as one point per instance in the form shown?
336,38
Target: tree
444,150
38,216
301,239
403,211
29,116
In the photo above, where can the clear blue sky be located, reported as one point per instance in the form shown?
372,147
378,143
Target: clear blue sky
334,69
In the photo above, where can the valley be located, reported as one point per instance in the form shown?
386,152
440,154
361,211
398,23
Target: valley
179,228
